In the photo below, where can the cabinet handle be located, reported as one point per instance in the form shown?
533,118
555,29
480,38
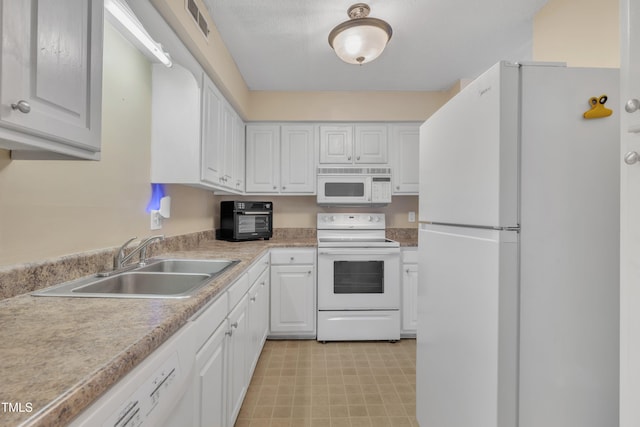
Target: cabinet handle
252,299
284,188
229,333
407,271
22,106
292,259
349,158
262,283
397,187
234,325
309,272
274,187
358,158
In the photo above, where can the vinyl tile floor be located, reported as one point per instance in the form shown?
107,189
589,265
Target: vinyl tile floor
346,384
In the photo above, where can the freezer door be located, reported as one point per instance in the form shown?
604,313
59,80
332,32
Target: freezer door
469,154
467,327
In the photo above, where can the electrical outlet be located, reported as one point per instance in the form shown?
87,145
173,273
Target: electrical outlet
156,220
412,216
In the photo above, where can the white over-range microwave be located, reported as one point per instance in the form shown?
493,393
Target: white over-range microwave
354,186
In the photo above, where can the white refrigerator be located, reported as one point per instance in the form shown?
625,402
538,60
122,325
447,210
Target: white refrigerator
519,252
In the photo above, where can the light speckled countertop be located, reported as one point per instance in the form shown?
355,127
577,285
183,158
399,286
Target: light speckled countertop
60,354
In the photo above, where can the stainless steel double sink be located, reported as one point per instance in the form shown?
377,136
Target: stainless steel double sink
158,278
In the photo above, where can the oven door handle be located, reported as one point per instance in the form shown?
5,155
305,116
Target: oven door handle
253,213
357,251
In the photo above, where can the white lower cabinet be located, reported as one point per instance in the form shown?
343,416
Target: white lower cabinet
293,293
227,357
209,381
237,355
258,319
409,291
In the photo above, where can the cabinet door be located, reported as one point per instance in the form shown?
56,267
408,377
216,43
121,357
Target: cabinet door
336,144
293,303
239,158
258,319
410,298
371,144
212,150
263,158
210,380
298,160
51,59
405,146
227,146
236,356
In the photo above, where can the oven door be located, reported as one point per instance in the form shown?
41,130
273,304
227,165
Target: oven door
358,278
344,190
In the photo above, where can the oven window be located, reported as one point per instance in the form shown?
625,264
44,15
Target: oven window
344,189
358,277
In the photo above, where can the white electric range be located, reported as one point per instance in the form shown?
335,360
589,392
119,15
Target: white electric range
358,278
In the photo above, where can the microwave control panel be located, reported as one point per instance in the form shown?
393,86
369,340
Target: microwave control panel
381,190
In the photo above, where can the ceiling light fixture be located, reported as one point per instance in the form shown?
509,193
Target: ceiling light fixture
361,39
126,21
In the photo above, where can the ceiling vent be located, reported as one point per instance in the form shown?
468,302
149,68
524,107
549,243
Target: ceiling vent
197,16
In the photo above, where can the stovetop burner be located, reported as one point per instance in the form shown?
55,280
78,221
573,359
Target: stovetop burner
353,230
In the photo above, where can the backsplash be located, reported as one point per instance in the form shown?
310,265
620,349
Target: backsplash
24,278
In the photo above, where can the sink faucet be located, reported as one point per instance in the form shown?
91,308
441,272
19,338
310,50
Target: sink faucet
120,259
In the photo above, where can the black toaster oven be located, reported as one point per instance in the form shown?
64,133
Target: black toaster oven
244,220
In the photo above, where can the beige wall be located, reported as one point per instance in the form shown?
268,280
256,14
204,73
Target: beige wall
345,106
300,211
53,208
582,33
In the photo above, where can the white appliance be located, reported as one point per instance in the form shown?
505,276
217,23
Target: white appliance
154,393
354,186
518,252
358,279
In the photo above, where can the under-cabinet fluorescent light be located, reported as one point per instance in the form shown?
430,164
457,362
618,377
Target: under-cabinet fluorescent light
122,17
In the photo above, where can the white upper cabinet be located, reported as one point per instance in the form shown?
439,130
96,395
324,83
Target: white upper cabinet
371,144
51,78
405,146
212,123
263,158
298,160
222,134
354,144
197,137
336,144
175,129
281,159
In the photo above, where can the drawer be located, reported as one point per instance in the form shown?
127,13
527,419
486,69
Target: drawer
210,317
257,268
410,256
293,256
237,290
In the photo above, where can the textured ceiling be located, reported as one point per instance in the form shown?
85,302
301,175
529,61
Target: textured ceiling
282,44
